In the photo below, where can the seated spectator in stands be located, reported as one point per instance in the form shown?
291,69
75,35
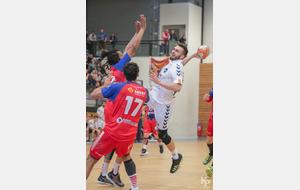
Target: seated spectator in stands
182,39
99,76
98,67
173,36
92,66
97,84
113,40
101,82
93,81
91,128
94,73
87,76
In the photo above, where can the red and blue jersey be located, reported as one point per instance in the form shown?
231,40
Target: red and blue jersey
211,100
117,70
126,102
150,114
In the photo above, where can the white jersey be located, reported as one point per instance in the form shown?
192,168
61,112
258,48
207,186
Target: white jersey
171,73
92,123
100,122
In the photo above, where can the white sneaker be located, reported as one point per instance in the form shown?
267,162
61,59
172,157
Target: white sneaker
144,152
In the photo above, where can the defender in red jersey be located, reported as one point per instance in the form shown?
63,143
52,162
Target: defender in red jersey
120,130
150,127
209,140
115,63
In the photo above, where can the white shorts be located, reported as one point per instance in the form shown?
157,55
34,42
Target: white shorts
162,113
100,124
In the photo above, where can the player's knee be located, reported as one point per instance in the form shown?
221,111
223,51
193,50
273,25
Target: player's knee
165,138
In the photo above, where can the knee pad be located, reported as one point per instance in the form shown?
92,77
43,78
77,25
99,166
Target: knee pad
163,135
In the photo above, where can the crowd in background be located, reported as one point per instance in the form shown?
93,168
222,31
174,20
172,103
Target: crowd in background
95,72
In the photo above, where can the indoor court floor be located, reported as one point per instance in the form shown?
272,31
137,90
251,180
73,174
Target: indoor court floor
153,170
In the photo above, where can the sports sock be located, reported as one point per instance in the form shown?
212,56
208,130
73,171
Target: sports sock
210,146
145,142
159,142
174,154
116,168
104,168
131,172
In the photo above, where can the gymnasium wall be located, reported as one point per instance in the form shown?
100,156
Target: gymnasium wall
208,28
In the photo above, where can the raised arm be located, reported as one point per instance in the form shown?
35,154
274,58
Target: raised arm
136,40
97,93
188,58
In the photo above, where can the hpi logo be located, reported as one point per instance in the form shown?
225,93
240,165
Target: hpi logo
130,89
205,181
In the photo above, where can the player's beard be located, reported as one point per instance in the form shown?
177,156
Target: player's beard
175,58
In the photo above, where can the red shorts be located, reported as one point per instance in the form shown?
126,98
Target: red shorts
209,131
104,144
149,127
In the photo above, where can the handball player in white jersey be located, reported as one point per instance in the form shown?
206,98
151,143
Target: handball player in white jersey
162,97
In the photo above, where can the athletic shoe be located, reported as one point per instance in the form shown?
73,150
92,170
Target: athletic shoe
138,189
207,159
161,149
144,152
176,163
209,171
104,180
115,179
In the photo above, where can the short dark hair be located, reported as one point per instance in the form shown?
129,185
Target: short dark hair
131,71
185,50
95,116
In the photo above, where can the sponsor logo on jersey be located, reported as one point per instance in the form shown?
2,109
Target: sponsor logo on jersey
119,120
139,93
130,89
166,69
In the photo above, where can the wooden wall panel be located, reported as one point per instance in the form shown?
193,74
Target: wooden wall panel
205,85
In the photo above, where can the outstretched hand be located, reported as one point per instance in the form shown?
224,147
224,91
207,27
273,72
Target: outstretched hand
137,26
153,77
143,21
206,97
195,55
108,81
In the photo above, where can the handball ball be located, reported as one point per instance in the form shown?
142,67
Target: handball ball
203,51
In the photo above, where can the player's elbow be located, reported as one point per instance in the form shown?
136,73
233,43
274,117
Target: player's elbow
178,88
96,96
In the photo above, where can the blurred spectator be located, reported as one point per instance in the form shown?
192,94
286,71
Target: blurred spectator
113,40
92,81
90,57
98,67
101,82
182,39
92,66
97,84
173,36
164,42
99,76
92,39
94,73
87,76
102,39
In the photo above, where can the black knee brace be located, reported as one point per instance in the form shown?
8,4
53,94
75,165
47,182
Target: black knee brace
163,135
130,167
110,155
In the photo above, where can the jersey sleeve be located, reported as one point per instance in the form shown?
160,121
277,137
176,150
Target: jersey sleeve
148,97
112,91
177,75
211,93
125,59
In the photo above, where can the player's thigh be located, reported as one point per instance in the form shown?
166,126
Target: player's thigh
103,145
162,115
124,148
210,128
